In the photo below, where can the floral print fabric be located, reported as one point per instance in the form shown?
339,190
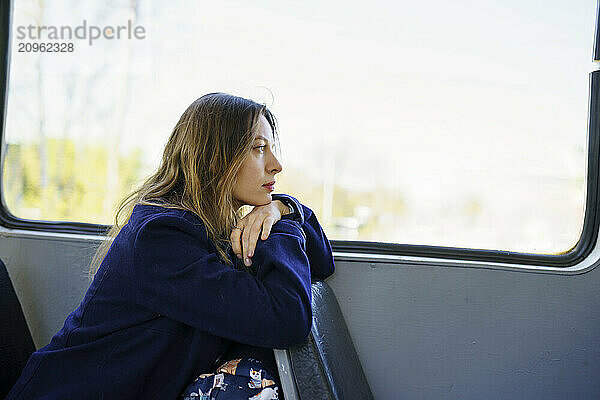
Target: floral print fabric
242,378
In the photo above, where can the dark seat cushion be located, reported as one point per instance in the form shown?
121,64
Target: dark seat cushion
326,366
16,344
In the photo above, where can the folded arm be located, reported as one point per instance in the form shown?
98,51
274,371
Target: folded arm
185,281
318,248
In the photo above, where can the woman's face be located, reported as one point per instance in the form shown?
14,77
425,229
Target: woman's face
258,169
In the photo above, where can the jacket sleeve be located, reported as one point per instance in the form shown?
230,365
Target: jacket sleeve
318,248
182,278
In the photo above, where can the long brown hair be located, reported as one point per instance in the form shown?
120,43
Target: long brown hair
199,164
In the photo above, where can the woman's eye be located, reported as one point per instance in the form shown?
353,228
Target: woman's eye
261,147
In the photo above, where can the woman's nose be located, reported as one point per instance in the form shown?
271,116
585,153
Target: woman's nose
274,165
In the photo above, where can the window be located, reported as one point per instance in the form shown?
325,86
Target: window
457,124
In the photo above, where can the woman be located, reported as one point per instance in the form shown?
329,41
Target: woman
185,284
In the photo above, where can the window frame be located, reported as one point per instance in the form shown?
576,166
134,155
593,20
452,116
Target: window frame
575,255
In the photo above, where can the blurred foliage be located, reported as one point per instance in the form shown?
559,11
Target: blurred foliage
70,186
355,215
67,180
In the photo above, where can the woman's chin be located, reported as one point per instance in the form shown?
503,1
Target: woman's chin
262,200
256,201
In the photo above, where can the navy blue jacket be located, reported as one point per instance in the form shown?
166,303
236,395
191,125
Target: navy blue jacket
162,308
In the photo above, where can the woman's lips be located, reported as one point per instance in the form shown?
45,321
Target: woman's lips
269,187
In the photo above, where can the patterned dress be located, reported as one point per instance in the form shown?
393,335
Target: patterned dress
242,378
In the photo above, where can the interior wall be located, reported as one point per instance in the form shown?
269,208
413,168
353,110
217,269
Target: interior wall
421,331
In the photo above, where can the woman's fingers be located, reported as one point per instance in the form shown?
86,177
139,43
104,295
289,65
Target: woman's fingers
235,237
249,239
245,240
261,218
258,226
266,228
244,245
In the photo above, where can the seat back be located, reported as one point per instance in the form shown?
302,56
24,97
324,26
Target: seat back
16,344
326,366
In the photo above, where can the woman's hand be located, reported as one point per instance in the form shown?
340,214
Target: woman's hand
243,241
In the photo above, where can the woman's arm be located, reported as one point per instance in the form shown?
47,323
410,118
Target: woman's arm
318,248
181,278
